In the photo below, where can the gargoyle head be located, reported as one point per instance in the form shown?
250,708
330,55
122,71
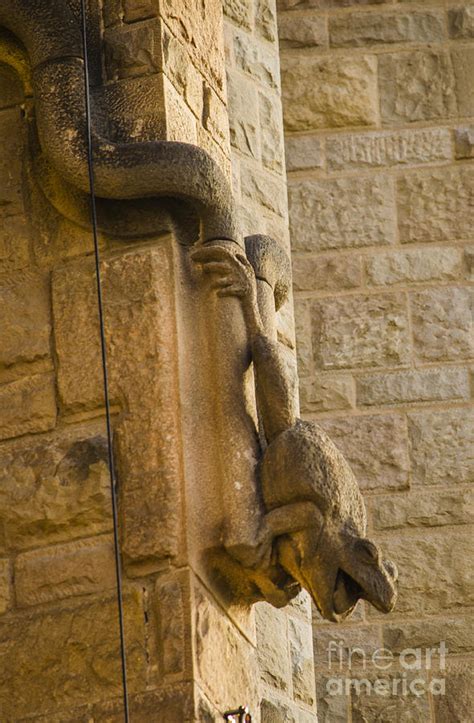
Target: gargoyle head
331,556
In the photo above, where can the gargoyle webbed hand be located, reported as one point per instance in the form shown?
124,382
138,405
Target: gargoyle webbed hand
231,275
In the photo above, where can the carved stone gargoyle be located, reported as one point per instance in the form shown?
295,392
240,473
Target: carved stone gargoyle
313,525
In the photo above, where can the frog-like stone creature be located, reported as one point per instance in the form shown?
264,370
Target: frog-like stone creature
313,527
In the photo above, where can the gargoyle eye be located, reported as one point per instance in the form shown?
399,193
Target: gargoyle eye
369,551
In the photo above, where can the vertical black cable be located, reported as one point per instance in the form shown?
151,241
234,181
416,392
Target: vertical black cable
113,479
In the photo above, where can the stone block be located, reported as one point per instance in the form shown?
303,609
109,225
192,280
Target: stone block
134,10
333,706
345,647
388,148
326,273
272,647
320,4
11,187
271,132
187,80
461,22
240,11
265,20
301,659
303,153
54,573
133,50
423,510
243,115
457,633
341,213
170,704
427,385
25,325
263,189
379,697
464,142
360,331
214,117
458,702
171,609
257,60
54,489
5,585
377,28
441,446
463,63
376,447
442,323
326,392
27,405
325,93
416,86
435,572
401,267
142,361
304,344
295,31
14,244
11,90
51,651
435,205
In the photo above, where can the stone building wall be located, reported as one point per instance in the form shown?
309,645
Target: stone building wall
378,107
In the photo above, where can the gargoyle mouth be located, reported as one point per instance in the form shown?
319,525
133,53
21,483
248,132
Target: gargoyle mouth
346,593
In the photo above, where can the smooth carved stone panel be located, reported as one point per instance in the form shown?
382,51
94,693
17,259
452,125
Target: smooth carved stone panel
140,324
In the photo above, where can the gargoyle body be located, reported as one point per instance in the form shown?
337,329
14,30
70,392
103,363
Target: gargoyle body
312,533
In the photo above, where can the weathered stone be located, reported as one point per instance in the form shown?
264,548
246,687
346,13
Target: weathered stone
301,657
304,344
54,488
184,76
275,712
345,647
423,510
181,123
243,115
388,148
427,385
440,264
436,205
222,676
319,4
138,10
309,97
303,152
435,571
374,28
326,273
464,142
240,11
53,573
61,641
265,20
359,331
133,51
375,447
332,706
297,32
442,323
378,697
27,405
257,60
341,213
25,325
170,611
263,189
271,132
458,702
142,365
457,634
416,86
463,63
170,704
5,585
11,197
272,647
326,392
461,22
11,90
214,117
441,446
14,244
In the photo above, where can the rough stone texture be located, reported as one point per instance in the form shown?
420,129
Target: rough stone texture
430,385
240,11
388,148
341,213
441,446
416,86
243,109
373,28
172,622
326,273
54,489
388,706
53,573
442,324
301,657
272,646
461,22
401,267
297,32
457,634
375,447
436,205
27,405
423,510
5,585
346,94
326,392
464,142
463,60
367,331
303,152
458,703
